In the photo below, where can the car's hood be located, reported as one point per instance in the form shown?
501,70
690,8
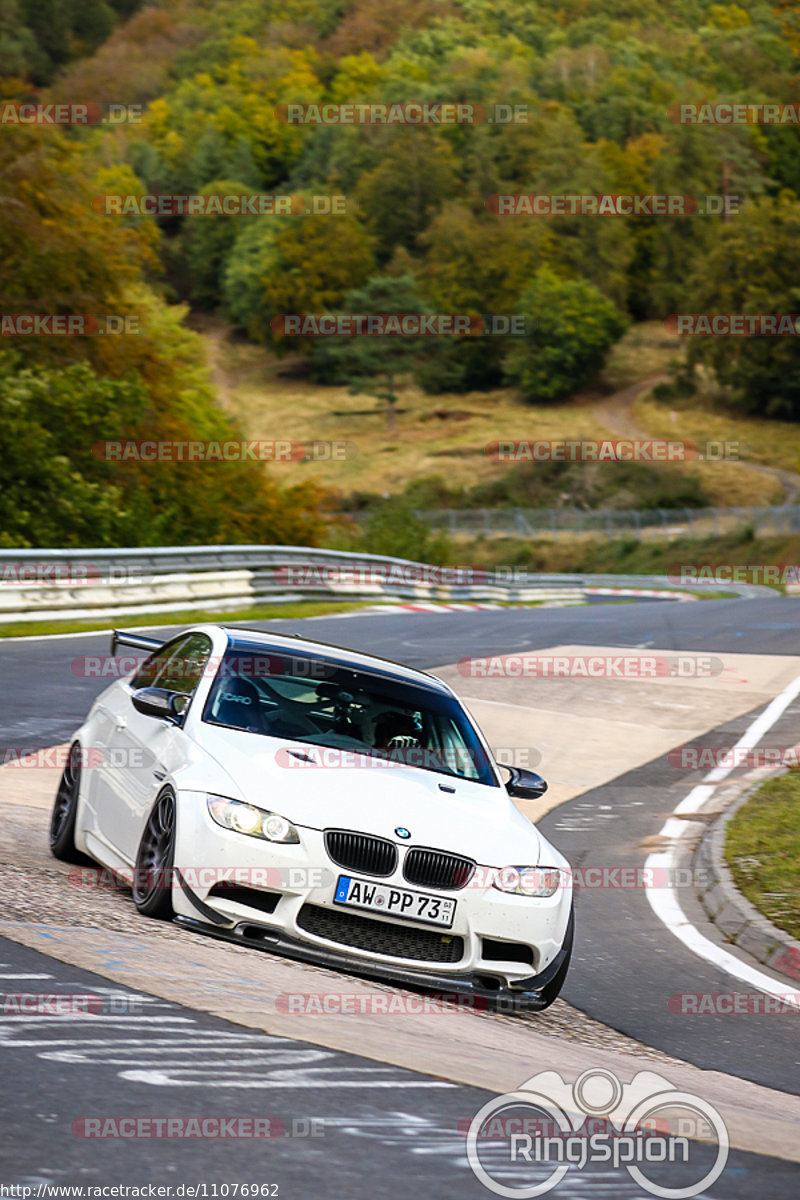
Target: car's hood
474,820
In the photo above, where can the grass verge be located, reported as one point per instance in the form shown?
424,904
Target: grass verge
762,849
698,419
263,612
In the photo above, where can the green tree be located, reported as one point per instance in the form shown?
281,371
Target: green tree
91,23
374,366
18,49
49,21
208,240
394,528
58,255
252,259
476,265
416,172
570,327
212,121
64,490
46,499
751,269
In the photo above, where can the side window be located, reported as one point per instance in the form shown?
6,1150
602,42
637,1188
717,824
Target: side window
152,668
178,667
458,756
184,668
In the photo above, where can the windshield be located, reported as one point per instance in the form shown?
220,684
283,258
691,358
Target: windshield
280,694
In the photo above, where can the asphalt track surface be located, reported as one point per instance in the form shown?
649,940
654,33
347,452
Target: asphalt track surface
625,968
340,1126
42,702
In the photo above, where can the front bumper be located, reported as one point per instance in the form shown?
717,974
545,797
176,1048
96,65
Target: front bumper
526,995
511,945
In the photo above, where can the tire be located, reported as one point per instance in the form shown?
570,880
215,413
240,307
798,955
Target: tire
551,991
65,809
152,878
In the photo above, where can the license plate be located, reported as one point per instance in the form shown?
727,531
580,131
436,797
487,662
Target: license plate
394,902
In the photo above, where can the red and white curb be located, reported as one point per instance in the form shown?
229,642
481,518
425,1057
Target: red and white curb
549,600
394,609
659,593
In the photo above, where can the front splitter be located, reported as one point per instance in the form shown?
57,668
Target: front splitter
526,997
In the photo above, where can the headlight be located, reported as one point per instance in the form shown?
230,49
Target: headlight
246,818
529,881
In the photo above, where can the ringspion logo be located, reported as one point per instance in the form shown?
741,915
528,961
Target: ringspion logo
548,1129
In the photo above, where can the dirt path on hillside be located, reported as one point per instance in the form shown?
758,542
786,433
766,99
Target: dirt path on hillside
616,413
219,377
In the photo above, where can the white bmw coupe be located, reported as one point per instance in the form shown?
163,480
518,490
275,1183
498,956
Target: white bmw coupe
321,803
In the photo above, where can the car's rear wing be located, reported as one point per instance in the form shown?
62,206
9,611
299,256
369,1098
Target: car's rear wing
135,640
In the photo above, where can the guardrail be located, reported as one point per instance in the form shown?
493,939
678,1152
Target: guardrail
38,585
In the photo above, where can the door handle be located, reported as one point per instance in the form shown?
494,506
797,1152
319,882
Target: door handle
120,724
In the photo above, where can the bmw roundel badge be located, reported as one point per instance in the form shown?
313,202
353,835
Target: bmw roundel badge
402,833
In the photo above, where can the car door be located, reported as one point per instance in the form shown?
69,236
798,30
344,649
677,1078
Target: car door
142,750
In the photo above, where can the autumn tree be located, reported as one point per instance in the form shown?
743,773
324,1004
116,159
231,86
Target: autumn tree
294,264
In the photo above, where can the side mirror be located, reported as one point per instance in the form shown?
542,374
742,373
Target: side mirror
158,702
525,785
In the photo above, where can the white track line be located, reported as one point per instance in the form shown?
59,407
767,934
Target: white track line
26,975
664,900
